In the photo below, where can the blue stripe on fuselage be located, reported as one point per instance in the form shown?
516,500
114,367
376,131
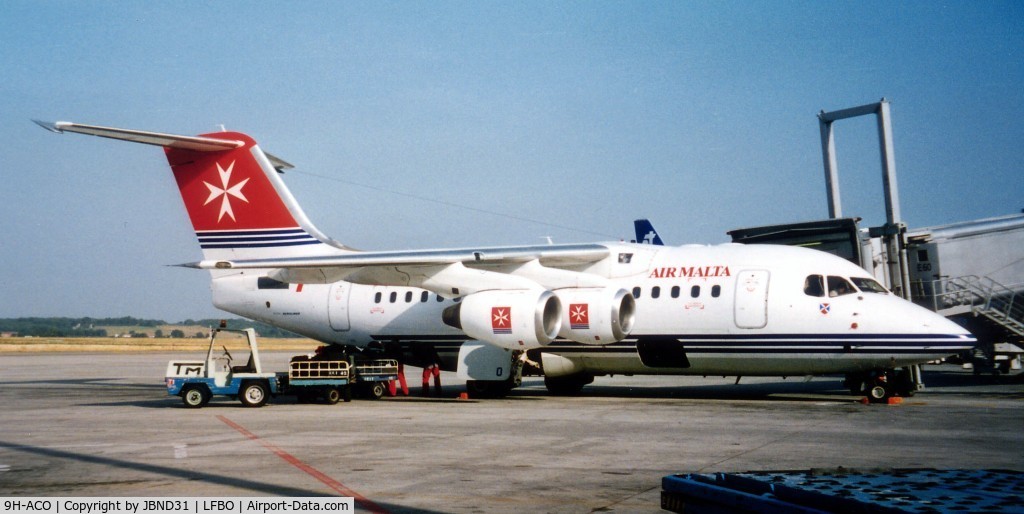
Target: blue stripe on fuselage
750,343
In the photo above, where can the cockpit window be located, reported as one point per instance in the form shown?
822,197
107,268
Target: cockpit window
839,286
814,285
868,285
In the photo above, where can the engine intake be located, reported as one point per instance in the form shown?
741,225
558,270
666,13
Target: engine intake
519,320
596,316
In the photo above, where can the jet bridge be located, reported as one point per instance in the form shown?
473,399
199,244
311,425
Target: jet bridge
972,270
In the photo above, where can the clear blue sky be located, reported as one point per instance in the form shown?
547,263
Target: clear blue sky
468,119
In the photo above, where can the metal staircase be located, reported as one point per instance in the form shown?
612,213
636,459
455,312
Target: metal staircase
998,306
980,296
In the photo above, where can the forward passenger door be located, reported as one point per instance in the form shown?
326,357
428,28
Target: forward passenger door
751,304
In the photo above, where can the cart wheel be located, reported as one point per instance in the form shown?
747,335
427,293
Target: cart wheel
253,394
377,390
195,396
332,395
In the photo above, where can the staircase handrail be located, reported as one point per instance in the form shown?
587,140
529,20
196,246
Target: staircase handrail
981,294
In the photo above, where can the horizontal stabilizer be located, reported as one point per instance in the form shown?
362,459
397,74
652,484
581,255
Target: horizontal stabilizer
199,144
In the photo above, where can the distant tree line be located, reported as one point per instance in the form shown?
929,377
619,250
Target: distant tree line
86,327
53,327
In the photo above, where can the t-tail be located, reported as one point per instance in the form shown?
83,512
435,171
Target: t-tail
233,193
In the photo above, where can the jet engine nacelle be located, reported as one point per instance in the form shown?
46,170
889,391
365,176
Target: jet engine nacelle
596,316
517,320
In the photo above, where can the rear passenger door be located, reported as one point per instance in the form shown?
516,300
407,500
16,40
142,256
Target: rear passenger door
337,306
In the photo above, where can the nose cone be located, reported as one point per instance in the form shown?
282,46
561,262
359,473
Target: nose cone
935,323
913,321
942,325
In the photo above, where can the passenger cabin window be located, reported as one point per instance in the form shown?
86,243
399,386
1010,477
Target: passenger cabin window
655,292
839,286
394,297
424,296
675,291
408,297
716,291
377,297
636,292
814,285
868,285
694,291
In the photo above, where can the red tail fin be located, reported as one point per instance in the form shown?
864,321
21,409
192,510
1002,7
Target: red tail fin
228,190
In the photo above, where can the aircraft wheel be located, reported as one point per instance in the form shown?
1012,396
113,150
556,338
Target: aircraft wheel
332,395
567,386
253,394
491,389
195,396
878,393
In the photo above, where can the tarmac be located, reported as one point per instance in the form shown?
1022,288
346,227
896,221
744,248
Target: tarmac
87,424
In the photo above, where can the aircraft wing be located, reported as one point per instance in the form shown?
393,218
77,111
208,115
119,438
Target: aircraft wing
548,254
446,271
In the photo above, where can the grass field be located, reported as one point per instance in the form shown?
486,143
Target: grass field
125,344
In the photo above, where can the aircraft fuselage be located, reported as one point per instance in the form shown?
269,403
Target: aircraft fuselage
700,310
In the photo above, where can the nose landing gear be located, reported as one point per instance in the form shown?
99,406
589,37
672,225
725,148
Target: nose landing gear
880,385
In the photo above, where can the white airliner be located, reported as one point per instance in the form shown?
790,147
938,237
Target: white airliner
574,310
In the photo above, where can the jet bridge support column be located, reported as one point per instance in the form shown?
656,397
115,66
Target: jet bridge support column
894,229
893,233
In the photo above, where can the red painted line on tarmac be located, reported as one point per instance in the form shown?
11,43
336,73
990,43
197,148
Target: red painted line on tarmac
361,500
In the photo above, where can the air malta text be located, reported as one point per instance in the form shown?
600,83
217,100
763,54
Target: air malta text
691,272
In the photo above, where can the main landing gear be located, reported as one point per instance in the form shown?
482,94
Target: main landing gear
880,385
568,385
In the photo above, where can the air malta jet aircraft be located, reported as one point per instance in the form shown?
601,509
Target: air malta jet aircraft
570,311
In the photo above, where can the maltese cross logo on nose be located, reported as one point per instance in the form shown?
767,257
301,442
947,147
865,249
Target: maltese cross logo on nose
224,192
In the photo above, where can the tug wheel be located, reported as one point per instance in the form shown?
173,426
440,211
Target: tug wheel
253,394
195,396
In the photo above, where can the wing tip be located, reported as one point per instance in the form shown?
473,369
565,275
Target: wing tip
55,126
205,264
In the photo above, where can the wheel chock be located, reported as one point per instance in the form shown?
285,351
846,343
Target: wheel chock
892,400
